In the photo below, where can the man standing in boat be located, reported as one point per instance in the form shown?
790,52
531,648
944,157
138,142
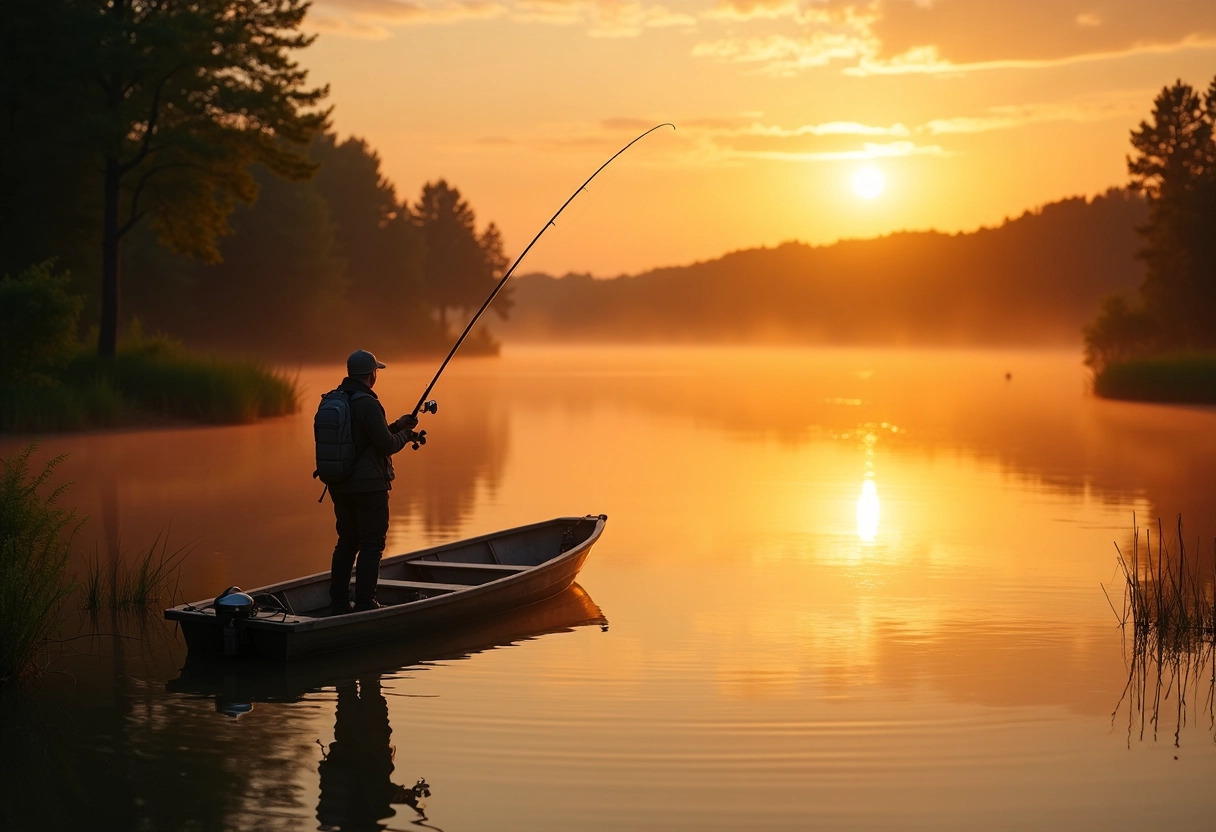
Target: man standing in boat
361,499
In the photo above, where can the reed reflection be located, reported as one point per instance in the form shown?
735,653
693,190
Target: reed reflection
1169,608
1167,682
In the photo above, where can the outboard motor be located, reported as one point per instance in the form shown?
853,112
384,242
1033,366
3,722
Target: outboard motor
231,607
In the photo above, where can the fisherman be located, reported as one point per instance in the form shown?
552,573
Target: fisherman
361,499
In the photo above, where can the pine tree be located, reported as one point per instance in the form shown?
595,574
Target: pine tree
1174,165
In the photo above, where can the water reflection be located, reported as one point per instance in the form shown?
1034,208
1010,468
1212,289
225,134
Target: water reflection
355,772
1168,686
357,791
868,512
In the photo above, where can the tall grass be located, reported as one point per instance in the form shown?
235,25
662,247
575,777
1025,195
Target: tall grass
133,584
1188,378
149,377
1167,592
35,540
1169,600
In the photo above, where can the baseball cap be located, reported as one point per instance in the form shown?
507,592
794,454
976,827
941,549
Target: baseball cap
362,362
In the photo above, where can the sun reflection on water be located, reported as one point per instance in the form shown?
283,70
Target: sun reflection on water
867,512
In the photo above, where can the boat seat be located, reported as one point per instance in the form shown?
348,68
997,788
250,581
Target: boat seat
424,585
479,567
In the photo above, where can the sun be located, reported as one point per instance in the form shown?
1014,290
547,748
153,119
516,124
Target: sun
868,182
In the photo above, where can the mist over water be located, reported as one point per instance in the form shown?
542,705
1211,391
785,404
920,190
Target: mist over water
845,589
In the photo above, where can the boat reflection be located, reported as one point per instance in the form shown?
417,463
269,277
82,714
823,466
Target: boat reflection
236,685
357,791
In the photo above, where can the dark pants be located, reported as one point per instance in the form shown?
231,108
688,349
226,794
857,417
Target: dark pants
362,522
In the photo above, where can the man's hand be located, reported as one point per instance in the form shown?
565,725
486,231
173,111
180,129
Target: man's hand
407,422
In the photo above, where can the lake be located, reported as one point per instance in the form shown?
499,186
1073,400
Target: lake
838,589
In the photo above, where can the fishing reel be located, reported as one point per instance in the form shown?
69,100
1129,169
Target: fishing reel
418,438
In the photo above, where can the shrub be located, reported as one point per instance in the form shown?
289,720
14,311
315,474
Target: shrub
1119,332
1188,378
38,323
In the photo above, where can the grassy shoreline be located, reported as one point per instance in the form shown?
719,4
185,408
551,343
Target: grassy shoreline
153,381
1182,378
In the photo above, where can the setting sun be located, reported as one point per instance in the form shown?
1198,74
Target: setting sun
868,182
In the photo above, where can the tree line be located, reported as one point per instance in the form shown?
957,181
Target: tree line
171,159
1034,279
1132,273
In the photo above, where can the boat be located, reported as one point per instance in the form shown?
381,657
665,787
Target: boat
421,592
237,685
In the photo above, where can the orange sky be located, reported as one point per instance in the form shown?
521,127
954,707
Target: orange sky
972,110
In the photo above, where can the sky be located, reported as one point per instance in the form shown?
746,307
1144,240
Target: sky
806,120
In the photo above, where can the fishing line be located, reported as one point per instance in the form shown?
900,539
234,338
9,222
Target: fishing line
426,406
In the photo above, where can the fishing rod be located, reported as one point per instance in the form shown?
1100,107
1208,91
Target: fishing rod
430,406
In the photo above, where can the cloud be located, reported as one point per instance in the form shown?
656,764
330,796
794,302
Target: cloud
753,9
734,139
928,60
966,34
786,55
600,18
889,37
869,150
1113,105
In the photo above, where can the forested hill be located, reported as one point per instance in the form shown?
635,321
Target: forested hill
1035,279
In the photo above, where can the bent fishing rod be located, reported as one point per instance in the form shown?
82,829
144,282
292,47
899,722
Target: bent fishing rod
429,406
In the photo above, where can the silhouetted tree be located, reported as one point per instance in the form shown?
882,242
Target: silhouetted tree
280,282
1174,165
461,266
48,187
382,247
179,98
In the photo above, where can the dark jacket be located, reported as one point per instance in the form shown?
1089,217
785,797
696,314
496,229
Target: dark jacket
375,442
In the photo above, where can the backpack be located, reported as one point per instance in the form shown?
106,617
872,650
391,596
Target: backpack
331,428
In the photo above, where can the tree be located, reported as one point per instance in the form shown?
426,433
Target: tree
376,237
185,96
461,266
280,285
48,188
1174,165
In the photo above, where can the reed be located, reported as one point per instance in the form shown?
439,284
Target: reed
133,583
162,377
1164,590
35,545
1170,603
150,376
45,406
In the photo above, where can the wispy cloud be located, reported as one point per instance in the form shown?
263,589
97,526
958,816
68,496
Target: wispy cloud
902,37
599,18
927,60
721,140
869,150
1113,105
786,55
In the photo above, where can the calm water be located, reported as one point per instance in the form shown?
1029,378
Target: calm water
838,589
